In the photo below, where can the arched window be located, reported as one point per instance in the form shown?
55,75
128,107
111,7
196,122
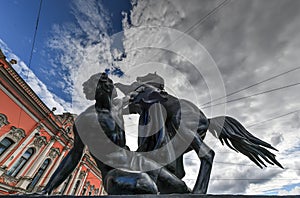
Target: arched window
68,130
5,144
21,162
66,185
76,187
83,191
39,174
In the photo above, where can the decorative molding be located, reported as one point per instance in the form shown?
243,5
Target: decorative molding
87,184
2,56
54,152
24,86
53,138
82,175
92,187
66,148
39,141
39,127
3,120
9,179
16,134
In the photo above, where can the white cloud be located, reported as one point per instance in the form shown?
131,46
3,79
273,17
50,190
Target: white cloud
50,99
294,191
83,48
250,41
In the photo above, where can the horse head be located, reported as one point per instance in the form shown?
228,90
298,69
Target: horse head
150,79
146,95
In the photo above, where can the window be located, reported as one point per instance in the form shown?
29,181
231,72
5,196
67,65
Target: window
5,144
83,191
68,130
65,185
76,187
21,162
38,175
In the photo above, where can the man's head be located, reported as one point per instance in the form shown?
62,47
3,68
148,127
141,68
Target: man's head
90,86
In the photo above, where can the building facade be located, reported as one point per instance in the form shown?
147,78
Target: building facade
34,141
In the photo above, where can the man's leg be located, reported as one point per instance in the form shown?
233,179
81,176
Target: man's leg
67,166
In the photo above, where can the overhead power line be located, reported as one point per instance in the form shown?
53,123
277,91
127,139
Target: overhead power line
268,120
202,19
35,33
199,22
241,164
284,179
253,95
253,85
32,48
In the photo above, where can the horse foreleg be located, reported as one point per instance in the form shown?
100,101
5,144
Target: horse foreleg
206,156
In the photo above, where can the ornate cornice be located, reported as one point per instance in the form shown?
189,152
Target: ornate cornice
16,133
2,55
82,174
9,179
54,152
39,141
3,120
87,184
25,93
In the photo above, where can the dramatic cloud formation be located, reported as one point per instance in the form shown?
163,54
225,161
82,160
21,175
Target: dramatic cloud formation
82,48
250,41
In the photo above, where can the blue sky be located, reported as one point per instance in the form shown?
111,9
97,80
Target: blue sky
243,43
18,20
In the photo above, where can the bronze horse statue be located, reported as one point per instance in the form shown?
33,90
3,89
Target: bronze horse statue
99,123
227,129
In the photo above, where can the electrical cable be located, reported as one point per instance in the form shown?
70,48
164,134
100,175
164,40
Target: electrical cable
253,85
34,36
249,96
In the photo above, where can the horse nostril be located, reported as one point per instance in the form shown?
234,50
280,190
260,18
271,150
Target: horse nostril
132,97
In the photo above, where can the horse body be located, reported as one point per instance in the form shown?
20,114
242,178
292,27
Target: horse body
194,126
145,96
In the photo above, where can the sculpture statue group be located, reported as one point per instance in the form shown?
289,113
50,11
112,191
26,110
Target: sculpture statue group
178,123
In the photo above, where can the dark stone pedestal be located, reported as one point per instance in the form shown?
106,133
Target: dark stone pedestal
159,196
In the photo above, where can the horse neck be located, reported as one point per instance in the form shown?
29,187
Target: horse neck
104,102
144,117
145,113
154,129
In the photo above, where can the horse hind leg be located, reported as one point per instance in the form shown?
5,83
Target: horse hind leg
204,174
206,156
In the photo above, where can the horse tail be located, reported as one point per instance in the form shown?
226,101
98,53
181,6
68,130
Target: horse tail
236,137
